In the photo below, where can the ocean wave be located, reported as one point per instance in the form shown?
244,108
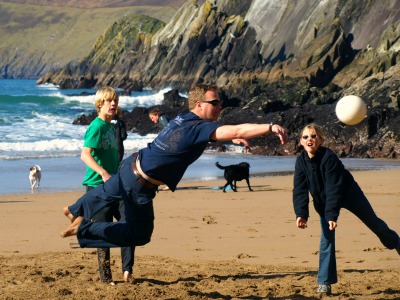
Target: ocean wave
147,98
48,86
73,146
63,145
40,155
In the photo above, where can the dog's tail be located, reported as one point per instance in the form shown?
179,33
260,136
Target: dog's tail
219,166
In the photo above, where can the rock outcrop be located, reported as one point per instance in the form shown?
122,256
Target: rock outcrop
233,43
282,61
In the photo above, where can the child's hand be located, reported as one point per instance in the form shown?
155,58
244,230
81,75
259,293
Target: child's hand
332,225
105,176
301,223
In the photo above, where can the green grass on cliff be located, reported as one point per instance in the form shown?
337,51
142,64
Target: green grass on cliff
61,34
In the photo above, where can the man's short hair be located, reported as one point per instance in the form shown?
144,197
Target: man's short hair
198,92
155,111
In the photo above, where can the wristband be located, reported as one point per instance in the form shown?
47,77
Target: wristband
270,126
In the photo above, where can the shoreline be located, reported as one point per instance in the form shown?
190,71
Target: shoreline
63,174
184,181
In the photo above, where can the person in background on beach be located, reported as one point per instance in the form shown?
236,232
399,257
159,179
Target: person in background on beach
319,171
158,117
164,161
120,132
100,154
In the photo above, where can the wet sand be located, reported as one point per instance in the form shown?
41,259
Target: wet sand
206,245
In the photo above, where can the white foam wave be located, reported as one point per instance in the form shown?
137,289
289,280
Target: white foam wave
146,98
64,145
134,142
48,86
42,127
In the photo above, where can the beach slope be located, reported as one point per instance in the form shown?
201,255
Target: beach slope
206,245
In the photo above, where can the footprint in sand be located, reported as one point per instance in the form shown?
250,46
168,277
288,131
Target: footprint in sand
209,220
244,255
375,249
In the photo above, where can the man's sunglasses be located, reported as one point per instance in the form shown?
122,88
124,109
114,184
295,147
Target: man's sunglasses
305,137
214,102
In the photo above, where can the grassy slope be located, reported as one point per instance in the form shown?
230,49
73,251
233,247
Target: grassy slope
100,3
59,34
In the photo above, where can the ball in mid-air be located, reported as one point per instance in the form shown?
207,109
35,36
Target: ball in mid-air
351,110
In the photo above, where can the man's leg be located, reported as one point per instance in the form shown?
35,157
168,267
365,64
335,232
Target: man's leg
139,214
135,231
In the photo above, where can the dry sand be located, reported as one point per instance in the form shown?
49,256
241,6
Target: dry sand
206,245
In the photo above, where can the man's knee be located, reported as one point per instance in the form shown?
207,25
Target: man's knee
140,234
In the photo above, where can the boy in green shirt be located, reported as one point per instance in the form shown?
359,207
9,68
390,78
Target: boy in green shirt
100,154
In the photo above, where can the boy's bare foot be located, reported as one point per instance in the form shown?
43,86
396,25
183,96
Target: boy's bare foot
73,228
68,214
127,276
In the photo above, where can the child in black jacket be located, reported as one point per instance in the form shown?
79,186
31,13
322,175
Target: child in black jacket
319,171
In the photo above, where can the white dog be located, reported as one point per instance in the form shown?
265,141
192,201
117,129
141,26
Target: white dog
35,174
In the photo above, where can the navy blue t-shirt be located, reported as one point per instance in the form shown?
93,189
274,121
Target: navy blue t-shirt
176,147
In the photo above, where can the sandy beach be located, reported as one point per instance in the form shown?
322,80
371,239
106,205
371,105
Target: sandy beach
206,245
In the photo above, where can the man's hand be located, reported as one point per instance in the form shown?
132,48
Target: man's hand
280,132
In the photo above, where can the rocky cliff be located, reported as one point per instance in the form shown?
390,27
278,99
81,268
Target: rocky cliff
276,60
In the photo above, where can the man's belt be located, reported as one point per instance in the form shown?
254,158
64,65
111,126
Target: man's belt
143,178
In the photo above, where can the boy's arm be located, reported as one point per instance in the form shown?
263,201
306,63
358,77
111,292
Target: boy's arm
87,158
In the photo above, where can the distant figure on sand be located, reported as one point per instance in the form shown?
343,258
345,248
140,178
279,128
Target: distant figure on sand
164,161
319,172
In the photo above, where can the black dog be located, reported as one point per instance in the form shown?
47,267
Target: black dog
235,173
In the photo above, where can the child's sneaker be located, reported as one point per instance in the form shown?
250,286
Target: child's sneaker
324,288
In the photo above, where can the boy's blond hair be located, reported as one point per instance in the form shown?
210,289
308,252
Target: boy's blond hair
104,94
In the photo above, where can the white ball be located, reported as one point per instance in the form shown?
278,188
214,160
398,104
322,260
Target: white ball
351,110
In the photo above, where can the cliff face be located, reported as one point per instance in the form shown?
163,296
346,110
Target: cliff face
232,42
280,60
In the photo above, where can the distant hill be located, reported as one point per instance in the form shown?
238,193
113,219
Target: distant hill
37,36
100,3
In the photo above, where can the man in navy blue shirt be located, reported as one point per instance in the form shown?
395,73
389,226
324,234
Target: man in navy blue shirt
164,161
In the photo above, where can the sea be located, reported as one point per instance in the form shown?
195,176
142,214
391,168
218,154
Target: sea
36,129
